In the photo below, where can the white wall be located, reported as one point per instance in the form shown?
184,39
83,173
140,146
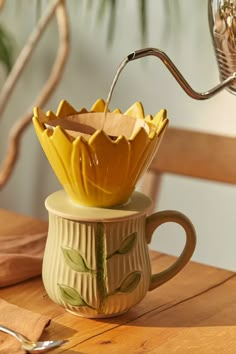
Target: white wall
89,72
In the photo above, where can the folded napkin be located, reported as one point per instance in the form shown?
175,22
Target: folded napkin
21,257
26,322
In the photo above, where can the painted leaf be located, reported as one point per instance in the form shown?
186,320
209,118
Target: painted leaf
130,282
71,296
128,243
74,260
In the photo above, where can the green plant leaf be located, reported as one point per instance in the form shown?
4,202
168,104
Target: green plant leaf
74,260
130,282
128,243
71,296
126,246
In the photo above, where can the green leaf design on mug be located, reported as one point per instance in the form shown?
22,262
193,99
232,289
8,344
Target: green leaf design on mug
71,296
75,261
126,246
130,283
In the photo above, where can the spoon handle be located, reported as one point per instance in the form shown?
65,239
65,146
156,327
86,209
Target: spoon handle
15,334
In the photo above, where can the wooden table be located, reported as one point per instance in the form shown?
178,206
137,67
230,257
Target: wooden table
193,313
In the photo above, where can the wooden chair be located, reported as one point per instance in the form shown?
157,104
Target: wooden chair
194,154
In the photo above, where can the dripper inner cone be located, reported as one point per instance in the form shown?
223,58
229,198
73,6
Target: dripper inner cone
86,124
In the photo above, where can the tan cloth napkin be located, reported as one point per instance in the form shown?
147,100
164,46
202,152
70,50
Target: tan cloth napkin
21,257
28,323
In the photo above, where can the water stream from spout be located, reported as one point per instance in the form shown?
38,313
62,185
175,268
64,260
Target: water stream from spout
120,68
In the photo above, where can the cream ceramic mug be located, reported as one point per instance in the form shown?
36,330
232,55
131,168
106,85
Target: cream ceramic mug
96,261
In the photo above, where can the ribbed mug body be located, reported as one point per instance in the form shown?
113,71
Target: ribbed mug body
96,268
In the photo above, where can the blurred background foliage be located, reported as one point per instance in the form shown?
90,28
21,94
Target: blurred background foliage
103,8
6,49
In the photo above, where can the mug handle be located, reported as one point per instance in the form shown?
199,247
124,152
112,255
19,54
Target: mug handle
152,223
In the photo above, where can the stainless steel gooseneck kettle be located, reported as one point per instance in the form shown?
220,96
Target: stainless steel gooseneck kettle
222,22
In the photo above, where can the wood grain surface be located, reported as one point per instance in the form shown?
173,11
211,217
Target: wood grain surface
195,312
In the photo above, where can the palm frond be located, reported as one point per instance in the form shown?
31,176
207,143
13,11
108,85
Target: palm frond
111,23
143,19
6,49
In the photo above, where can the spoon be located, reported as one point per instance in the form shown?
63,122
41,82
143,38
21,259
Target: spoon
30,346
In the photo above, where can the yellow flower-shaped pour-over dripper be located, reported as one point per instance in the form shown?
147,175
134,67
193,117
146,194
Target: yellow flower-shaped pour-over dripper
99,159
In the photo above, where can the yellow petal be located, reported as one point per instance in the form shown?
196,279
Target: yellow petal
112,159
136,110
65,109
80,156
142,151
51,151
38,113
99,106
58,150
160,116
162,126
117,111
83,110
148,118
50,116
38,126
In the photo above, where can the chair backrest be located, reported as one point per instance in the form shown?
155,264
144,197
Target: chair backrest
194,154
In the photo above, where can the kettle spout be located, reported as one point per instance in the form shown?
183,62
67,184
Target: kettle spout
138,54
